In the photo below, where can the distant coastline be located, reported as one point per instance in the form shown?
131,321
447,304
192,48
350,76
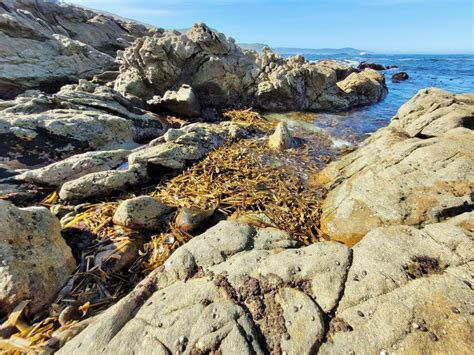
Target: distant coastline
305,51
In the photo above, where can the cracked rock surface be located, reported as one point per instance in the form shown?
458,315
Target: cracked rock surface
241,289
417,171
234,289
409,290
36,128
46,44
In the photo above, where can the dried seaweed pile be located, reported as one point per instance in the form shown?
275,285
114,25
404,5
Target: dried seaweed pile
248,179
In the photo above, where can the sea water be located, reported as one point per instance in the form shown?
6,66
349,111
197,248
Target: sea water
454,73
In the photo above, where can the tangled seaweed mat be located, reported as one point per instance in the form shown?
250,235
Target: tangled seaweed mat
245,180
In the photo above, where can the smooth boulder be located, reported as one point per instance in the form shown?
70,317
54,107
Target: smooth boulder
143,212
183,102
35,261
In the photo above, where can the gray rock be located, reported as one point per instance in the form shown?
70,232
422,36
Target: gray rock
223,75
74,167
35,261
41,128
207,312
45,44
433,112
102,183
397,179
143,212
182,102
281,139
403,285
174,150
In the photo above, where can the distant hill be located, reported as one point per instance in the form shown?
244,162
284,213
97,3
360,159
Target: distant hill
288,50
255,46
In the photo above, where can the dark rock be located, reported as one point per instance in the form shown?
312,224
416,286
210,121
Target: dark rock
402,76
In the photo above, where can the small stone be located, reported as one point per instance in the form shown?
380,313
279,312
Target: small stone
433,336
338,263
286,336
182,339
455,310
415,325
383,352
313,318
364,273
288,323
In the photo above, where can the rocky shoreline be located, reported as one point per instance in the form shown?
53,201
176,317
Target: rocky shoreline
144,208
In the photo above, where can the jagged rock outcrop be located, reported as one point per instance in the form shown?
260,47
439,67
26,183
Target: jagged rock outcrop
36,128
419,170
223,75
241,289
35,261
175,150
45,44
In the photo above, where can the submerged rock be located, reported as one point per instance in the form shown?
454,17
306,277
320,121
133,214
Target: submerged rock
35,261
46,44
281,139
223,75
402,76
416,171
143,212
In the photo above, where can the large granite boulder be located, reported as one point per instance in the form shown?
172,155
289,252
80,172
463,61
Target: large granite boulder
35,261
45,44
224,75
36,128
233,289
419,170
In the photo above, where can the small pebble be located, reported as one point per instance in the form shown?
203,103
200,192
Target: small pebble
338,263
313,318
288,323
364,273
352,352
383,352
445,332
433,336
415,325
286,336
360,313
455,310
181,339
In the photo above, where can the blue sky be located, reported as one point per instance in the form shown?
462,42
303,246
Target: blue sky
388,26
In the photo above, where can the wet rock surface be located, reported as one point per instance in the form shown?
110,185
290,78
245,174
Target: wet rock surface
34,259
416,171
45,44
223,75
